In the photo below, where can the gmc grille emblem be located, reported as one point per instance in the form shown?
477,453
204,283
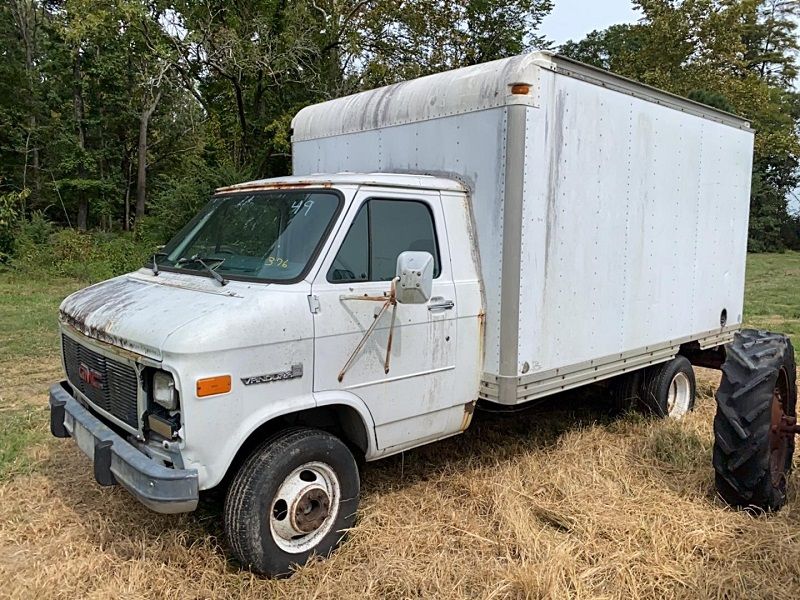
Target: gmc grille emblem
90,377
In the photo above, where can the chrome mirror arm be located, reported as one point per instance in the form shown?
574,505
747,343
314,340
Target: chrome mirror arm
390,300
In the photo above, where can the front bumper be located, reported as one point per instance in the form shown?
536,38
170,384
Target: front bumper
158,487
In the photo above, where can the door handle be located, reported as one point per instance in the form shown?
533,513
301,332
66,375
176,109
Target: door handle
440,304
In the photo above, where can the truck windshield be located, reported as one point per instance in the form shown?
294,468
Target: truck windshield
267,235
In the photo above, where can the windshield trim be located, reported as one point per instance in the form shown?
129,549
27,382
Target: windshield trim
312,259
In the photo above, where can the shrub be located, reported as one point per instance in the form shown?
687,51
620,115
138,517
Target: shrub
68,253
177,199
36,230
10,216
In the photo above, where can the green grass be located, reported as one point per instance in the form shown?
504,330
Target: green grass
19,430
678,446
28,342
28,314
772,297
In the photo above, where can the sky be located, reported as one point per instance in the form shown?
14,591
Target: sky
573,19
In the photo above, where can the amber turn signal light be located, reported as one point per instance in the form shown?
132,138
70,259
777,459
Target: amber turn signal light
520,88
210,386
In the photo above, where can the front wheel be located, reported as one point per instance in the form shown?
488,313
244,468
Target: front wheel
294,497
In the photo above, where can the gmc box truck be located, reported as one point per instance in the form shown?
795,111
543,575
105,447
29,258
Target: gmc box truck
489,235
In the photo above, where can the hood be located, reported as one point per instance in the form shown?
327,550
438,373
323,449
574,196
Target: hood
138,312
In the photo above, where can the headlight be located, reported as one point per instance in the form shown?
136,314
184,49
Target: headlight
164,390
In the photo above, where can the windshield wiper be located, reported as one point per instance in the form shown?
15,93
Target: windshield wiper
202,260
155,264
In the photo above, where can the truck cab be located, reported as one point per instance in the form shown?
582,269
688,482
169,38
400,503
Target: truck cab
277,307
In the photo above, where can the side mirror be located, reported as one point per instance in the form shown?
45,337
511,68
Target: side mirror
415,273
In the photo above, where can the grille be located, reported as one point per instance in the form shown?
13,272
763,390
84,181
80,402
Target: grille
116,385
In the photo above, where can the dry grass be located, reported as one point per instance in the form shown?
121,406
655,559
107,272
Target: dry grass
551,504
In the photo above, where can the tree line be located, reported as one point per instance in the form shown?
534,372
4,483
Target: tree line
127,113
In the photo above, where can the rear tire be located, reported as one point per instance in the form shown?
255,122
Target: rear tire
626,391
294,497
669,388
751,459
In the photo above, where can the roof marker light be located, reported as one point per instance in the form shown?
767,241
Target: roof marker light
520,89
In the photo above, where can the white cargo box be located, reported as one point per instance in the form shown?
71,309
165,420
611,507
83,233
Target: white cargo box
610,217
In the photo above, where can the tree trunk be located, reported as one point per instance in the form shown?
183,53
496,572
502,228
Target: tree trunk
141,173
126,225
242,121
77,96
37,182
37,185
27,25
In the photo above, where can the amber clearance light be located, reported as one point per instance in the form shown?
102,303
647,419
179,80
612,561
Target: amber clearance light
210,386
520,89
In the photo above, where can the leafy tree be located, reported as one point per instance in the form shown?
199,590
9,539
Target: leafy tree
26,20
614,49
400,40
131,111
769,34
252,65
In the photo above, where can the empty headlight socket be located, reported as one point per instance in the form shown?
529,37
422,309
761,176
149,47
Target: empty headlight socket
157,418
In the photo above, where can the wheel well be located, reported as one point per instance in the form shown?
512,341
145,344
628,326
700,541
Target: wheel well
340,420
711,358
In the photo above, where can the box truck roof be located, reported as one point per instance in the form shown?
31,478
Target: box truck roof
422,182
470,89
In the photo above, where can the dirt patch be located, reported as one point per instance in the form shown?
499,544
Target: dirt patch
25,383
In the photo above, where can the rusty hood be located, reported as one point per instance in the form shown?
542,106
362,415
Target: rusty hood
138,314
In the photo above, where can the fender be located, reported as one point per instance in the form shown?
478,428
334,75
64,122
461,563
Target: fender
212,468
216,467
345,398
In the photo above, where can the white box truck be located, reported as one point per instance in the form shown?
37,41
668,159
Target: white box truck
493,234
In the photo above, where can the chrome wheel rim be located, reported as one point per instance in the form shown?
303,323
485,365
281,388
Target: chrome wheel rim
679,396
304,508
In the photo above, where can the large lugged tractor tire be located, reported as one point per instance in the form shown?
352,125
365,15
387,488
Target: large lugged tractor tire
752,456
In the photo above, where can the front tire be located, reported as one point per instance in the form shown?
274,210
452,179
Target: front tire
752,456
294,497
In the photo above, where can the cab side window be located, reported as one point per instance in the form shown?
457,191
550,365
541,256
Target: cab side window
352,261
382,230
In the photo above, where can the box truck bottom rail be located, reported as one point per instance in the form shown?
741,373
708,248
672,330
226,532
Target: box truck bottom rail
518,389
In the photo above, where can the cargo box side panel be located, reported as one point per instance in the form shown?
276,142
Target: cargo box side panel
470,147
723,193
634,226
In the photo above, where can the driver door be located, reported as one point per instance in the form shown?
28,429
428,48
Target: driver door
412,402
